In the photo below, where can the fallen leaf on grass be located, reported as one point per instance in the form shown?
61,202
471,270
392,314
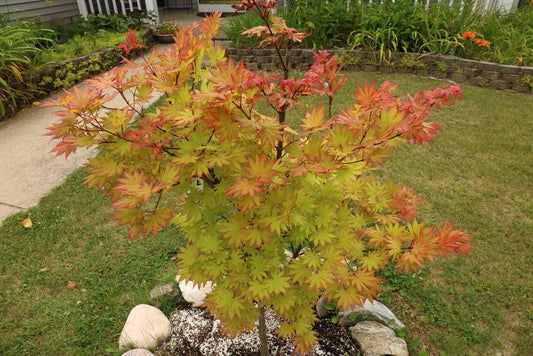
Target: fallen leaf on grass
27,223
46,269
71,285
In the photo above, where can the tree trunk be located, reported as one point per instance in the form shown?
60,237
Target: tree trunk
263,332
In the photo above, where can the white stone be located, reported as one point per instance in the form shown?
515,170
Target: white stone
376,339
194,294
138,352
145,327
372,310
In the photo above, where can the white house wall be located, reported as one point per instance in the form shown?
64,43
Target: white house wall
57,9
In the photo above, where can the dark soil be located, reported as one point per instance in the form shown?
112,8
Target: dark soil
195,334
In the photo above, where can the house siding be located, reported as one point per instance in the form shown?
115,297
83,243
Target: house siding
24,9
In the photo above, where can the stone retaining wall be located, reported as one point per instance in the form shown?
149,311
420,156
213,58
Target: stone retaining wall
464,71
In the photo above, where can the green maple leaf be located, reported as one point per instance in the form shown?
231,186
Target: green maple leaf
277,283
169,175
132,216
119,147
320,280
341,142
374,260
314,120
284,303
311,259
268,131
157,220
209,243
322,237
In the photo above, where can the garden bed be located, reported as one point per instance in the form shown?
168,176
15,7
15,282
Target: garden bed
63,75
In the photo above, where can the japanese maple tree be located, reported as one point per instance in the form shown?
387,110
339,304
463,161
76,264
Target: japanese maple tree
286,214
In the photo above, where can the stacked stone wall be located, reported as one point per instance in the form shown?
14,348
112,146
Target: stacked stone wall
463,71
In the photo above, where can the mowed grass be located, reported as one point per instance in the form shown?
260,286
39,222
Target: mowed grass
72,240
477,172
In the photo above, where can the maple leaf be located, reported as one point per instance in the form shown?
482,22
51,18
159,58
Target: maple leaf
261,169
131,43
453,241
269,131
130,216
157,220
314,120
65,147
71,285
374,260
320,280
277,283
27,223
136,185
244,187
365,94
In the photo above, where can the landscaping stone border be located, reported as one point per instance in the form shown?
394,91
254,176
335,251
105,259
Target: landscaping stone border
465,71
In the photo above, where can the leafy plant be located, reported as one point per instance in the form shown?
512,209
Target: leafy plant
165,28
285,213
404,25
237,24
19,45
81,45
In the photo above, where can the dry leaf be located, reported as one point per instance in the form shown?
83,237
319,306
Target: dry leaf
46,269
71,285
27,223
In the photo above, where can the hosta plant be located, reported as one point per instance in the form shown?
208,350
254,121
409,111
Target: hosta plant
285,214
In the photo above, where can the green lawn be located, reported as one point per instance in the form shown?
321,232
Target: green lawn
478,172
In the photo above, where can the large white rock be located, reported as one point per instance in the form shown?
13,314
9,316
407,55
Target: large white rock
376,339
194,294
138,352
145,327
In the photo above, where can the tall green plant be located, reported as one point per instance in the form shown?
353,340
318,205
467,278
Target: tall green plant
285,215
20,43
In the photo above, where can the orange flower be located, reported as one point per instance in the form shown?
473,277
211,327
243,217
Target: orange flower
478,41
484,43
130,42
468,34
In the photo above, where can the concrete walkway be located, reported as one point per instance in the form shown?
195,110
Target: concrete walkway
28,170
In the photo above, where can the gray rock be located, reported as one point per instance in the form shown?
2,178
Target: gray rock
370,311
138,352
377,339
167,290
321,310
145,327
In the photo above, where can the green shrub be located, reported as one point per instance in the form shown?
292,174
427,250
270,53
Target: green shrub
82,45
20,44
405,26
237,24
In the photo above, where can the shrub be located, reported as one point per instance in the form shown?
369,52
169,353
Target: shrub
20,43
405,25
282,214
